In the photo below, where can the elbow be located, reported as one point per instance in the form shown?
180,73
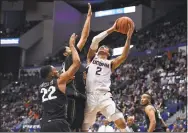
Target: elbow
152,126
124,57
153,123
95,39
77,63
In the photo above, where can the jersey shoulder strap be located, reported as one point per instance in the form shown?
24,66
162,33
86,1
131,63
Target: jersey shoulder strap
55,82
63,67
95,57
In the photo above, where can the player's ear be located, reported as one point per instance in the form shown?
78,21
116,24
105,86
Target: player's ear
110,53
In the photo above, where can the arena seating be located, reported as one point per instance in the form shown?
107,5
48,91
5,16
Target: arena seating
166,32
17,32
21,98
160,80
164,76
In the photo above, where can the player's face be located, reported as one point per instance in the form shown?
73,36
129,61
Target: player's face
105,122
175,126
103,50
168,130
181,126
67,51
144,99
55,73
130,121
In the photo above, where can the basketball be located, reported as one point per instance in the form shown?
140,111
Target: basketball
122,24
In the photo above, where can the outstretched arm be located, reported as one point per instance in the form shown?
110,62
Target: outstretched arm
95,42
120,59
66,76
86,29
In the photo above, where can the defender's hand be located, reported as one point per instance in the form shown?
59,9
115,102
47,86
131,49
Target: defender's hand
89,14
72,39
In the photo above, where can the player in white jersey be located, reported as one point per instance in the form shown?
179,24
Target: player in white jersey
98,81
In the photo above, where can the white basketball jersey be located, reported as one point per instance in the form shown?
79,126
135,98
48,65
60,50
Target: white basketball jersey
98,75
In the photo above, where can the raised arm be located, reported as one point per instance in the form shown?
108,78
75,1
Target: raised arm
120,59
64,77
86,29
95,42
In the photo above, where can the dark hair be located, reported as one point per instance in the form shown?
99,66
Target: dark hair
61,53
110,51
63,50
44,71
152,100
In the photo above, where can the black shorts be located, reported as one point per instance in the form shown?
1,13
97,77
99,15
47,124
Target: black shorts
71,110
55,126
79,114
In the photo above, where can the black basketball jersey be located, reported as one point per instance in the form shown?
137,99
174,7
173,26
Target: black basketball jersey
78,81
54,102
159,125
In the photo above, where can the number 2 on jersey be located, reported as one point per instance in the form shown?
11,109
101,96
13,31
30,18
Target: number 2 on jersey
45,92
99,69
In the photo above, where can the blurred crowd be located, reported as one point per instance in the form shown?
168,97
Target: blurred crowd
164,76
166,32
19,106
17,32
6,76
178,125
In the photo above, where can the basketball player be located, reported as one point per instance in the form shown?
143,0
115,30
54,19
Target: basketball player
76,91
98,81
54,100
85,33
153,120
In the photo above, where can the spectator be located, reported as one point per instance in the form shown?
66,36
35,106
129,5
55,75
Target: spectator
105,127
175,128
130,122
168,130
164,76
181,128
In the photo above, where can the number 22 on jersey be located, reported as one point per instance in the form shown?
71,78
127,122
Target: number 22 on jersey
48,93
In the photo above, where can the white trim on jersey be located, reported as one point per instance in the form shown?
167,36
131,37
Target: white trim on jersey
63,67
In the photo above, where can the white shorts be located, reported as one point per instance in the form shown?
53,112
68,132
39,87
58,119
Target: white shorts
100,102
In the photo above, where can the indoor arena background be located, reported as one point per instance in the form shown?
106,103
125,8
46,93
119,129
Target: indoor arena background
33,32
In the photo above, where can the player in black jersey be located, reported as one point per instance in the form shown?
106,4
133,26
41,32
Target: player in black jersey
54,99
76,92
152,117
